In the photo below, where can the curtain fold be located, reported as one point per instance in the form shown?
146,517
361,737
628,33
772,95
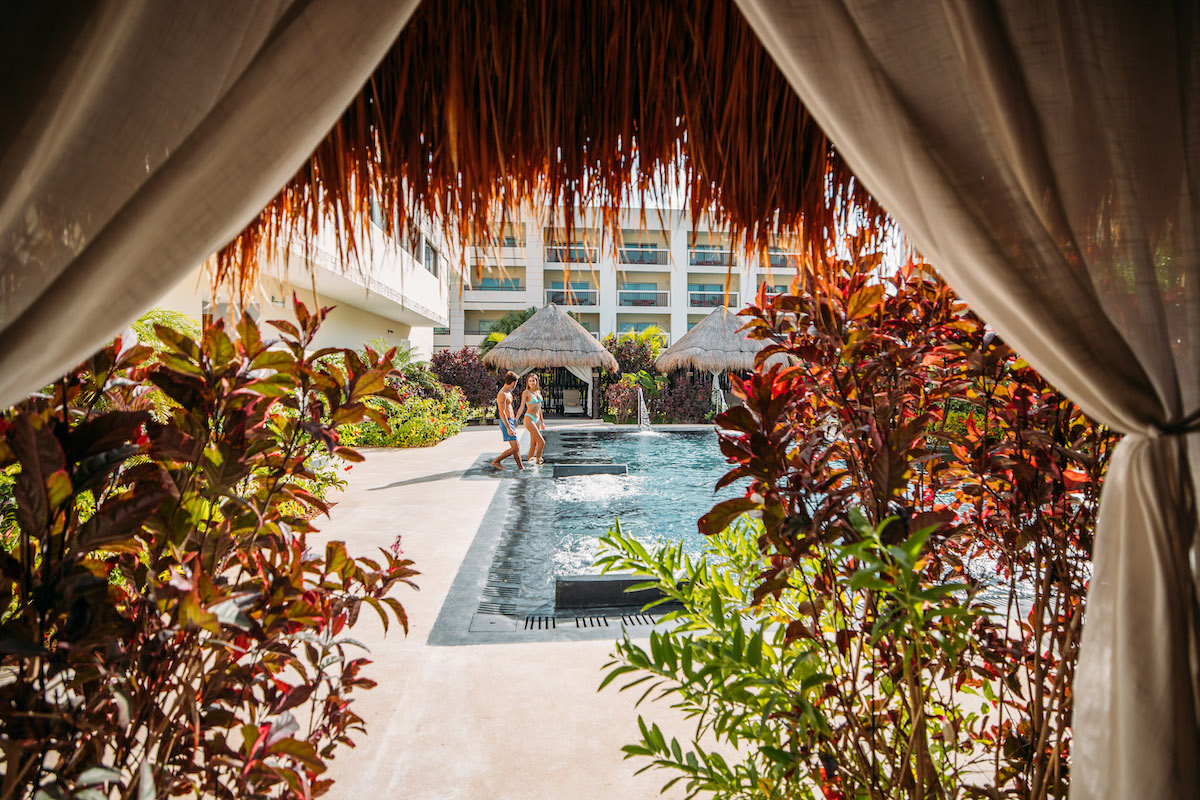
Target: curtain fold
141,136
1044,157
584,374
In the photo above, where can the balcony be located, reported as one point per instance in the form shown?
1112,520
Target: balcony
441,331
780,260
712,299
504,287
572,254
642,298
642,255
573,297
710,258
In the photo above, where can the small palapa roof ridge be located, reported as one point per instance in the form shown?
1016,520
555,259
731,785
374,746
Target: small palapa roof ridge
716,344
550,338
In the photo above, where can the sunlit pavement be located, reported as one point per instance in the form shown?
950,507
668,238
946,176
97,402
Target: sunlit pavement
481,721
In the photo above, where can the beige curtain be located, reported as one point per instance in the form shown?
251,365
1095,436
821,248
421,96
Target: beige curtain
139,136
1044,156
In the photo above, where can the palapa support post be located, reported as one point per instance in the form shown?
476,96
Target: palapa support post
594,410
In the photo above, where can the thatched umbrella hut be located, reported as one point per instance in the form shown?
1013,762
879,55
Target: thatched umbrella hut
553,338
717,344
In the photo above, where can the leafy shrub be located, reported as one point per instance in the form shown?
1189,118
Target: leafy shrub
748,678
464,369
683,399
635,353
164,615
413,422
867,523
622,399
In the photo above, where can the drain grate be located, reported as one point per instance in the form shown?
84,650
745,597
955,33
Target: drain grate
591,622
539,623
502,591
497,608
637,619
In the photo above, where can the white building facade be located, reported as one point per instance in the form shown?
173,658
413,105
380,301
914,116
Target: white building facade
385,291
661,273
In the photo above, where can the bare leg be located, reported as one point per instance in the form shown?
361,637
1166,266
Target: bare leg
536,440
515,452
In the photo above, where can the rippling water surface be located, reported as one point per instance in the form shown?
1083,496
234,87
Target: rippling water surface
668,488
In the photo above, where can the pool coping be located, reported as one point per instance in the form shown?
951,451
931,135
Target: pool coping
461,620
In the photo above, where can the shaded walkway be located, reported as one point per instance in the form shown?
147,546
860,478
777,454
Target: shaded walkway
483,721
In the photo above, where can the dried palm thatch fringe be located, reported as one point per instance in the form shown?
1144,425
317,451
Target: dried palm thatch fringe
715,344
550,338
484,105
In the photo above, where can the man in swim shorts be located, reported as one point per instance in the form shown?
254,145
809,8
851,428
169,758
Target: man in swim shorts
508,425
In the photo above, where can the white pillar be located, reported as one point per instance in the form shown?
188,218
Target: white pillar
680,229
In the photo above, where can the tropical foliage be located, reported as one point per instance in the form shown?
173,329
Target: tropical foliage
900,615
465,369
683,398
166,628
635,354
415,421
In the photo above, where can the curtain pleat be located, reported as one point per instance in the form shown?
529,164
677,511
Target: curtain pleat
1044,157
140,136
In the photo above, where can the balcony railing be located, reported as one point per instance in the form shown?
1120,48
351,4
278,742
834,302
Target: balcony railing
710,258
642,255
573,297
638,297
476,332
441,331
572,253
505,288
712,299
783,260
507,241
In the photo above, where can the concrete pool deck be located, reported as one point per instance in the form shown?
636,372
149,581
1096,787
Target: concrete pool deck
475,721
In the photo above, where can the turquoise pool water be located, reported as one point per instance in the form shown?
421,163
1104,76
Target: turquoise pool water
672,475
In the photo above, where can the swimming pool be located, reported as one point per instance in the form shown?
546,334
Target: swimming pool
669,486
551,527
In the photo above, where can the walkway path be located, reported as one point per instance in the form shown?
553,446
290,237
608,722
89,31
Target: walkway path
485,721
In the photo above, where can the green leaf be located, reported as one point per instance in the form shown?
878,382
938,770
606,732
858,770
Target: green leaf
93,776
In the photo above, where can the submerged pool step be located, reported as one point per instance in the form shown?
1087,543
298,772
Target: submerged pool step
571,470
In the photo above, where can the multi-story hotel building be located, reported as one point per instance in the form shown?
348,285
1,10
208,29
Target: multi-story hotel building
662,272
394,292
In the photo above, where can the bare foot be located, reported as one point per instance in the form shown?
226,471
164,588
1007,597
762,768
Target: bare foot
496,464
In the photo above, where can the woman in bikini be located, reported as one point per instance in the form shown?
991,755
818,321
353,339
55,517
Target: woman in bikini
535,423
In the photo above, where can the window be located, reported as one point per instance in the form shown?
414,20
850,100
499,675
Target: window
574,285
636,327
415,243
510,284
707,287
639,287
431,259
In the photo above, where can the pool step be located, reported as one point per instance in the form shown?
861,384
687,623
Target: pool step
571,470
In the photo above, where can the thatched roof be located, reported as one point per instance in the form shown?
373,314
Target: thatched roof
550,338
715,345
483,105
